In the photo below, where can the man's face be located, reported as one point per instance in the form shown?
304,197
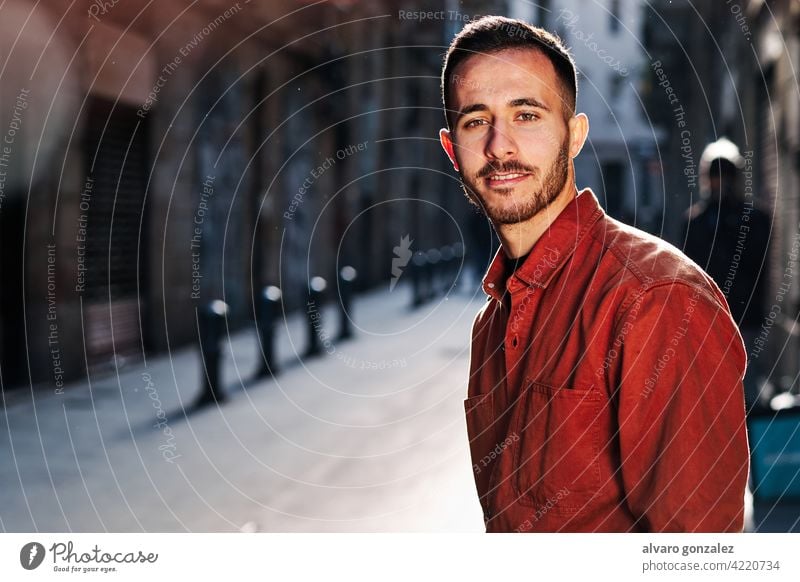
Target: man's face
510,137
721,180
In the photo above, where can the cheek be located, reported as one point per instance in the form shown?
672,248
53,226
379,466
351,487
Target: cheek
541,142
546,148
469,152
472,142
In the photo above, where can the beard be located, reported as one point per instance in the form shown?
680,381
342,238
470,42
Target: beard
526,204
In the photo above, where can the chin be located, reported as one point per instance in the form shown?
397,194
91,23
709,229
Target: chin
511,216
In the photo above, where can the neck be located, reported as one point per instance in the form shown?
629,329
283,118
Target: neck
518,239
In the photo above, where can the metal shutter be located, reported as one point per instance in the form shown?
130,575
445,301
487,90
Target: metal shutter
116,161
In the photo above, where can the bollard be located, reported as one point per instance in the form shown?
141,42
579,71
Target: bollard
314,314
268,310
212,327
418,278
347,277
433,272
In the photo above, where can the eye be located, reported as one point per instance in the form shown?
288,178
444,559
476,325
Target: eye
527,116
474,123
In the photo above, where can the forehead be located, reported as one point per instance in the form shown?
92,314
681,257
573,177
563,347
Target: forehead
505,75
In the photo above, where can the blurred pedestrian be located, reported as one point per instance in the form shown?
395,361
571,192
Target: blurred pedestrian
605,387
727,234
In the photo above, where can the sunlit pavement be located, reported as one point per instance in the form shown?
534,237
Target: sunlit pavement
369,437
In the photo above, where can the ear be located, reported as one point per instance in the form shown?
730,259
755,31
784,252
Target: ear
447,143
578,132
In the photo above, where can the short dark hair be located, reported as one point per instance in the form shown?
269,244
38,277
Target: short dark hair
491,34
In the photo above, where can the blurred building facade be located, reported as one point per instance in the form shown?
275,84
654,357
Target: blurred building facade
156,157
766,78
733,69
172,153
619,159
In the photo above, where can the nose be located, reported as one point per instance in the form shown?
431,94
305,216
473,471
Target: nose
499,144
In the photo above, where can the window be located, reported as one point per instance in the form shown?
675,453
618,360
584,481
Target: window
612,172
613,17
544,12
616,83
115,150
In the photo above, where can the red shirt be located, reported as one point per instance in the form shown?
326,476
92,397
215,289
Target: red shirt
605,387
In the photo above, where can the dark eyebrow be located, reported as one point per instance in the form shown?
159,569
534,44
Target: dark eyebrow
471,109
521,102
528,102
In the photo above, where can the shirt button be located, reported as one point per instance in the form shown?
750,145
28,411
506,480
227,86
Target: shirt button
514,342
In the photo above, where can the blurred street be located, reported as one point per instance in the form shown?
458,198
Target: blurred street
367,438
169,168
331,445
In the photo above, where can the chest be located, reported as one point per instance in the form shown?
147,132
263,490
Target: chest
551,336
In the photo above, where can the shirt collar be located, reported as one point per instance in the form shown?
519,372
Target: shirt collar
551,251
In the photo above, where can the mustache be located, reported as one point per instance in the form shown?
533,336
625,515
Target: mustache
512,166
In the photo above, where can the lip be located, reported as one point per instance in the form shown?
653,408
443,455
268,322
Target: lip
506,179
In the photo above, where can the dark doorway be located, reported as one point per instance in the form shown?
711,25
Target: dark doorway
116,270
12,336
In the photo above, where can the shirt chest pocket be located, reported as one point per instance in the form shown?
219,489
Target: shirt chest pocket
555,461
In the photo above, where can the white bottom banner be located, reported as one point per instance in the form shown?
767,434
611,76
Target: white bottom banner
399,557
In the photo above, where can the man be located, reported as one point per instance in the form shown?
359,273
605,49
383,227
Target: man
606,372
728,235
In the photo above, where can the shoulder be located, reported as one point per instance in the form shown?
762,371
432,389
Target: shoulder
644,264
678,315
647,258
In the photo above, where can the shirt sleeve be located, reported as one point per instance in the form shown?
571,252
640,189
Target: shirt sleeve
681,414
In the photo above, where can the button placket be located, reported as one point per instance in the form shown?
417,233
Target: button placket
516,329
